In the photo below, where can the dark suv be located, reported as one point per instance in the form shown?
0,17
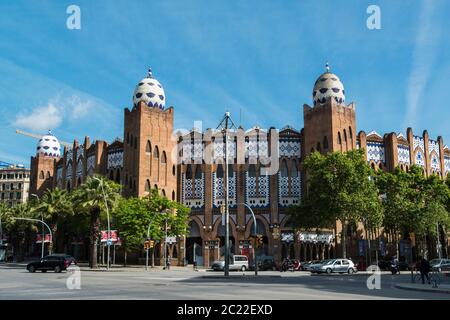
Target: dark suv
265,263
55,262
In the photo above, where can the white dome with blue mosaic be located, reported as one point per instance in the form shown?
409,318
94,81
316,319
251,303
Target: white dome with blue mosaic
151,92
328,85
49,146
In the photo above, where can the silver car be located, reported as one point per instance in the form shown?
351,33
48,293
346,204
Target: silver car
335,265
237,262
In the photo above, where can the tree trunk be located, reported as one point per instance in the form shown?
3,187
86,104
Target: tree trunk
343,239
95,229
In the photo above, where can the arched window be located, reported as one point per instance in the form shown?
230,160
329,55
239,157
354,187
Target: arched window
219,171
41,175
111,175
339,138
252,170
401,167
156,186
147,185
135,142
163,158
345,135
188,172
156,152
350,132
312,150
318,147
48,175
128,138
373,166
79,181
163,192
131,140
173,170
173,195
198,172
230,170
148,148
69,188
325,142
284,169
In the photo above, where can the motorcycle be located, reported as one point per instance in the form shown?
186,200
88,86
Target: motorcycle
395,268
286,265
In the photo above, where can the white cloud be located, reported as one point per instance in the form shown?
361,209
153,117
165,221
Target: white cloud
78,108
423,58
41,118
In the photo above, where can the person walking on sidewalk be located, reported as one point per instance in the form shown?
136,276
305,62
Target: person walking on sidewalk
424,270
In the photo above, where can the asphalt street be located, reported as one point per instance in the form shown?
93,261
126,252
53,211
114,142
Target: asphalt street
17,283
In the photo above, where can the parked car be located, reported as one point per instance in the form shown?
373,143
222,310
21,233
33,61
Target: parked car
335,265
55,262
440,264
265,263
237,262
309,265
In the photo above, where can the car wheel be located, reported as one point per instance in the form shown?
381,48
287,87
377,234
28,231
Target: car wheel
44,271
350,271
329,270
57,269
31,269
243,268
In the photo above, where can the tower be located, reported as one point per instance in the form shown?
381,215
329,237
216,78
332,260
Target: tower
329,125
43,164
148,143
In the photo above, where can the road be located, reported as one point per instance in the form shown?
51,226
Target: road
17,283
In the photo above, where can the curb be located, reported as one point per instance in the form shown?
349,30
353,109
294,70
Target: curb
434,290
246,277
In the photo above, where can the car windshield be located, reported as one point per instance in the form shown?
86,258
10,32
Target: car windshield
435,261
328,261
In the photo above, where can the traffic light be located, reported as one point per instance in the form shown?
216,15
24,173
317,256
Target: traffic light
259,241
222,209
146,244
151,244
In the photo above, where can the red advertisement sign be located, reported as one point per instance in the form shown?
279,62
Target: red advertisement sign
113,235
47,238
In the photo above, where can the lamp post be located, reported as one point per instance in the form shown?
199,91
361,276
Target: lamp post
41,221
43,233
107,215
438,246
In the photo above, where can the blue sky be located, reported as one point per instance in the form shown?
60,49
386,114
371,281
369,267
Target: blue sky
259,59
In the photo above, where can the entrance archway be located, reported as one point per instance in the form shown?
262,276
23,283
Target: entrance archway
194,245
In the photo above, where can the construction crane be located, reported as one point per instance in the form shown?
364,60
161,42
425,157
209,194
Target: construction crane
39,136
4,164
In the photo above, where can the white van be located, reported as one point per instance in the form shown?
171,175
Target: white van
237,262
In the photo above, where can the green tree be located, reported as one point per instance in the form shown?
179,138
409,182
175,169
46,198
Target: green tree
92,197
134,215
55,207
340,186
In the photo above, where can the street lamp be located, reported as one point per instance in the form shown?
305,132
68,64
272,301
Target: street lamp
43,233
108,241
41,221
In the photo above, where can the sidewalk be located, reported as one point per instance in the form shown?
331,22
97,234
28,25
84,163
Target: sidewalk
443,288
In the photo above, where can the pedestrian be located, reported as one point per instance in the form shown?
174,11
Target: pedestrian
168,262
424,270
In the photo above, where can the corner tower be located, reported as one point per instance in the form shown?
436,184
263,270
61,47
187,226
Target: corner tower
42,170
148,144
330,125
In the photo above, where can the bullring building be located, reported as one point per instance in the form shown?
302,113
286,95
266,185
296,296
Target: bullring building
265,171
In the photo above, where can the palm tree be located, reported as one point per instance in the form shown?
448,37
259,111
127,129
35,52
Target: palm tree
91,198
20,230
54,206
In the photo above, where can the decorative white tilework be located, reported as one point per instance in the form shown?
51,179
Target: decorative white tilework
403,154
375,152
433,146
188,151
219,149
69,155
435,163
420,158
69,172
418,142
289,190
257,198
80,167
90,165
447,164
115,160
218,190
289,148
59,172
193,194
80,151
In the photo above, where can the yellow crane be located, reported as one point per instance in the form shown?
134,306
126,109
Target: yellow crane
39,136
